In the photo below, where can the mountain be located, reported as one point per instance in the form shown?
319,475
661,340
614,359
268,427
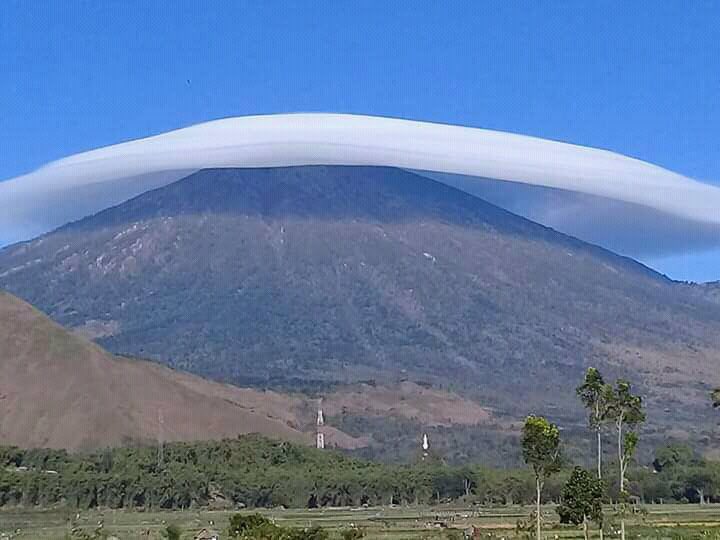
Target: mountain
311,278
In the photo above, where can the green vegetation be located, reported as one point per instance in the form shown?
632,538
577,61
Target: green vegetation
171,532
592,392
256,472
257,526
249,471
678,474
626,411
541,450
582,500
666,522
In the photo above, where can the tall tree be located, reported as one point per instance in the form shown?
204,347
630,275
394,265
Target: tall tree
541,450
592,392
581,500
626,411
701,480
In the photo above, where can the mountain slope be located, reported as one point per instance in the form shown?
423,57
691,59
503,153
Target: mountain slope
58,390
315,276
712,290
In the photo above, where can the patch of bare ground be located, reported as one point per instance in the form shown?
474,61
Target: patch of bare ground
427,406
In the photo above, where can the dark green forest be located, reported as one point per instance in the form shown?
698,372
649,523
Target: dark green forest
252,471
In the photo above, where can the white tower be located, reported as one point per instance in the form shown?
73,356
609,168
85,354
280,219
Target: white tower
320,423
425,445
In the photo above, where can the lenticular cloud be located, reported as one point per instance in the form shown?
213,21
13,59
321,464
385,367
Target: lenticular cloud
85,183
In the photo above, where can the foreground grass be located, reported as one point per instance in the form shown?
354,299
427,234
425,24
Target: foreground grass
657,522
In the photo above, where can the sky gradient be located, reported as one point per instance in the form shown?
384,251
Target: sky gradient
640,78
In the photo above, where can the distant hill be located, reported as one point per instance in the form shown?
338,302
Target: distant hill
310,278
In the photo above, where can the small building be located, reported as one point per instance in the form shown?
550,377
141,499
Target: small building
207,534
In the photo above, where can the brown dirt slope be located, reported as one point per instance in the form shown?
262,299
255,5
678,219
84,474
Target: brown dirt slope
59,390
428,406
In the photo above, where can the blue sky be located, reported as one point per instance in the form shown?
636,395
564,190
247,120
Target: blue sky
640,78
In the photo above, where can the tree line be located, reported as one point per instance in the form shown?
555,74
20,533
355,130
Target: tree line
254,472
249,471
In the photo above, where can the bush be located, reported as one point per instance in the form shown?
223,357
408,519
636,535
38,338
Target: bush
353,533
255,526
172,532
242,524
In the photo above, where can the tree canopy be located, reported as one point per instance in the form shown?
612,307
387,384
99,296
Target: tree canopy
581,498
593,393
541,446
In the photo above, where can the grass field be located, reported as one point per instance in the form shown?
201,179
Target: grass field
656,521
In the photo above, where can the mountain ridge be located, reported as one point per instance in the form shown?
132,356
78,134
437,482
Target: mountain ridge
308,277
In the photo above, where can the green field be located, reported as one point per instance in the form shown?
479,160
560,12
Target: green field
656,521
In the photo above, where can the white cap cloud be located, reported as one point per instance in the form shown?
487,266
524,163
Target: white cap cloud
82,184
